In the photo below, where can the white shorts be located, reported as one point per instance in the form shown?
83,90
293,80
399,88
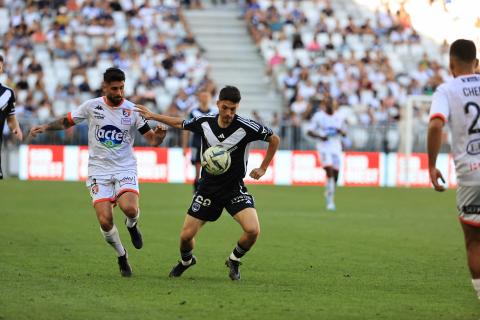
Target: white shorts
468,205
330,159
110,187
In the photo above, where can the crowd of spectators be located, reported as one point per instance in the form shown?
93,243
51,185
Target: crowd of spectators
56,53
320,50
315,50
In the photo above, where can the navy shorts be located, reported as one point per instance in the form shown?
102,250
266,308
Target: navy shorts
209,207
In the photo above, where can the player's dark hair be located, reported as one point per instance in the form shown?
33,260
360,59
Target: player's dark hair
1,58
113,74
230,93
464,50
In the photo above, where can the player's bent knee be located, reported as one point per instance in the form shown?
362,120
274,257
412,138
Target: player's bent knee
106,225
253,232
130,210
187,235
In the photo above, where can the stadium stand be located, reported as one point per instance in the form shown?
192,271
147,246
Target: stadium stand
368,61
56,52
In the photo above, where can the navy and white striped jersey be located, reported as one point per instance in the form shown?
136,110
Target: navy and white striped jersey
236,138
7,105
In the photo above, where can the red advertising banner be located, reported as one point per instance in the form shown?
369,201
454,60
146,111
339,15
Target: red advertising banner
152,164
412,170
361,169
307,168
45,162
41,162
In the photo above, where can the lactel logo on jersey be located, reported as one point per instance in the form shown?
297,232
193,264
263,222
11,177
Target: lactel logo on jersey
110,136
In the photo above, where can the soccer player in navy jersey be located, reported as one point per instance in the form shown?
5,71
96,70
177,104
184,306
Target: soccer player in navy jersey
227,190
7,113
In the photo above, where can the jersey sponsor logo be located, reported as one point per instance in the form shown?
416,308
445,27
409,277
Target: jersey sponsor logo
127,180
471,209
110,136
126,112
98,108
473,147
98,115
470,79
243,198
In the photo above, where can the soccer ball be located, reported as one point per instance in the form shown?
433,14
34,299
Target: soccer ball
216,160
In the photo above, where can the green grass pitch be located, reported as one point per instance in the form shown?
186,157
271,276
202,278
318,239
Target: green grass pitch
384,254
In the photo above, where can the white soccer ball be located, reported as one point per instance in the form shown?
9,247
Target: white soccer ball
216,160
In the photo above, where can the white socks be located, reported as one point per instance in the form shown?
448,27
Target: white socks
132,221
113,238
476,286
330,189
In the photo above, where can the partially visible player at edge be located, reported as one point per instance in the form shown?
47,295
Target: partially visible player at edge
226,190
112,166
457,102
7,112
203,108
328,127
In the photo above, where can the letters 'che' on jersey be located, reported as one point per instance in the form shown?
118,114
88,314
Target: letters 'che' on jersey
237,138
457,102
327,125
111,133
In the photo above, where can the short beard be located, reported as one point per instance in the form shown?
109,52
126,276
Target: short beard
114,100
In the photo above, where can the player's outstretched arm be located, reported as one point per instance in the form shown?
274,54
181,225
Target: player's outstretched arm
434,142
59,124
175,122
273,143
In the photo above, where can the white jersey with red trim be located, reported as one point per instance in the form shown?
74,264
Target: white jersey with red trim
327,125
111,133
457,102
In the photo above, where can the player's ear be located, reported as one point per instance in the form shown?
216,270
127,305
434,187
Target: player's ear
218,104
476,65
452,66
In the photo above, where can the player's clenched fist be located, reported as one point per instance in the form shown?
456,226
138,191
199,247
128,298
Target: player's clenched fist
257,173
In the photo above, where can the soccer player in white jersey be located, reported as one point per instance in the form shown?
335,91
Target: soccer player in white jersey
327,127
457,102
112,166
